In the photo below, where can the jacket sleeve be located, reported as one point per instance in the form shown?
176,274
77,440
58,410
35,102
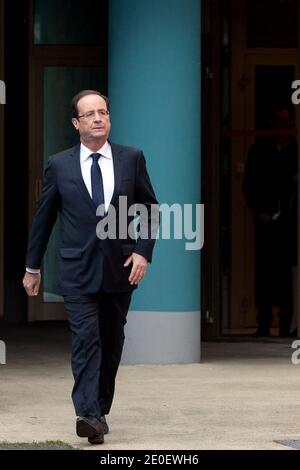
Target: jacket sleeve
44,219
149,211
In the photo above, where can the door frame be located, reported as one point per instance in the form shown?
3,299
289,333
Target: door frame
211,290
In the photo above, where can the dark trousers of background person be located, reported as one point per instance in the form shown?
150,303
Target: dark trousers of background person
273,276
97,323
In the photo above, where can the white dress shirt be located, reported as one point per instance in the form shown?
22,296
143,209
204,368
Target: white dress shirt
107,169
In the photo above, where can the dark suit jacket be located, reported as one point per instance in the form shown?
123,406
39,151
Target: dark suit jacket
270,177
86,263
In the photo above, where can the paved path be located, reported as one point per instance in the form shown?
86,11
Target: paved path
242,396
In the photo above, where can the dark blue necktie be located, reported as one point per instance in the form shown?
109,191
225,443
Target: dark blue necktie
96,179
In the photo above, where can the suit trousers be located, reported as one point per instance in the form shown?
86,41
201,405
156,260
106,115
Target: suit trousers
97,323
274,256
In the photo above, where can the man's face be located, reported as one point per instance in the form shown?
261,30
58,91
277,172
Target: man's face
92,122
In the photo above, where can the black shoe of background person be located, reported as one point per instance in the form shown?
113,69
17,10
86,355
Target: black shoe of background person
89,427
262,333
294,333
285,333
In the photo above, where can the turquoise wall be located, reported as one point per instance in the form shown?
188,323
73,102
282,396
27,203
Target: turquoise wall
154,89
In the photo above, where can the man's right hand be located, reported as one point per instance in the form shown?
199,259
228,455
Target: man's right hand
31,283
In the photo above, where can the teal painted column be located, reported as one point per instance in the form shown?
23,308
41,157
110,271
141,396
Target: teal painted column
154,89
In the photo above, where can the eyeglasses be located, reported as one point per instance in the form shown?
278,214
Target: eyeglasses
91,115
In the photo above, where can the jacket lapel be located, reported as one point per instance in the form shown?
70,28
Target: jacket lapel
75,168
118,167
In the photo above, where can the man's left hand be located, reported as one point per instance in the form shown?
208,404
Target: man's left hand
139,267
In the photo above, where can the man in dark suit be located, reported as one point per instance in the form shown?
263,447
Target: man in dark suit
97,274
270,190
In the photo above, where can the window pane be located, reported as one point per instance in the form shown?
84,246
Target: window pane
70,22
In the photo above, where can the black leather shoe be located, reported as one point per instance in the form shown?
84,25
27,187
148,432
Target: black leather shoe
104,425
99,438
96,439
88,426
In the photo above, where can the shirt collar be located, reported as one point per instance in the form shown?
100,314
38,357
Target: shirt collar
85,152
